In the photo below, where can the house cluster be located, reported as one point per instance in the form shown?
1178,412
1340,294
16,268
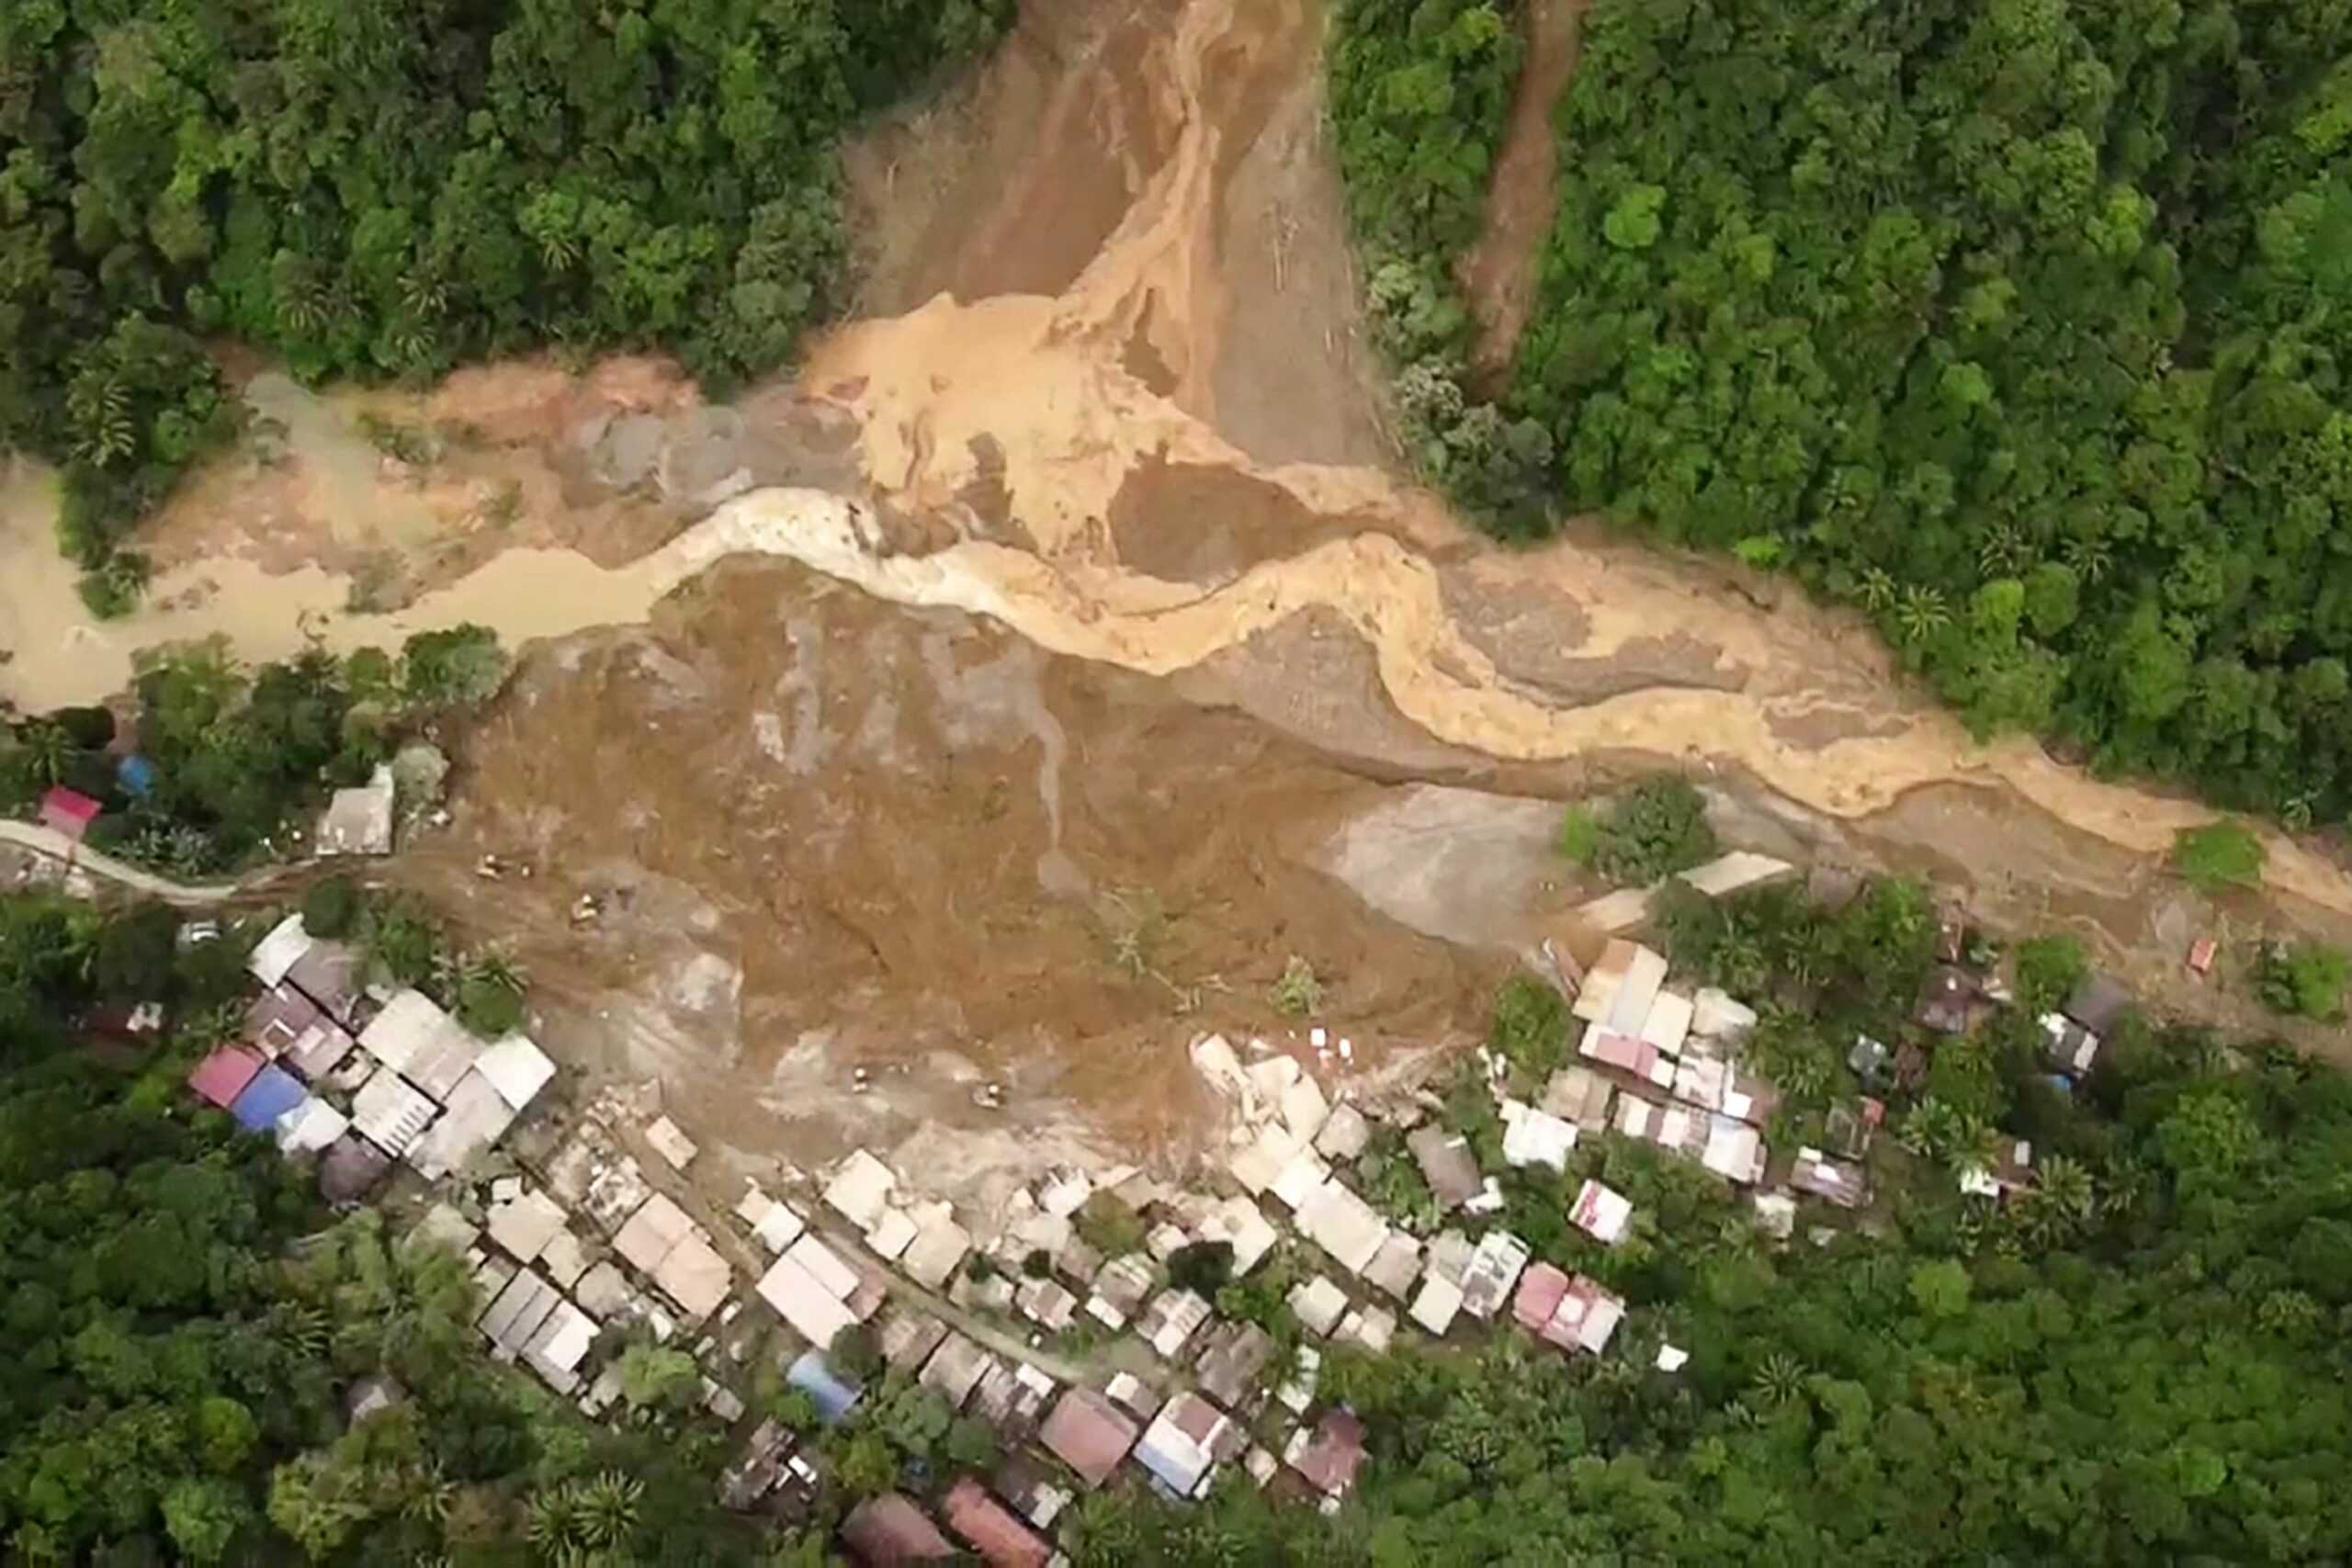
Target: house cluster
363,1077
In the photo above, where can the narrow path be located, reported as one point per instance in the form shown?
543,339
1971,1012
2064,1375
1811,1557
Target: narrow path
1500,272
50,844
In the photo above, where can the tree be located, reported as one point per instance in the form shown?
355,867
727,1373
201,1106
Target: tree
1201,1266
331,907
1656,828
655,1377
2221,854
2306,978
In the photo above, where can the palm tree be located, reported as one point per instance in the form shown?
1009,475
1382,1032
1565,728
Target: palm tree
46,747
2088,556
607,1507
1778,1381
101,408
494,965
556,1523
2002,550
1920,614
1878,589
2062,1203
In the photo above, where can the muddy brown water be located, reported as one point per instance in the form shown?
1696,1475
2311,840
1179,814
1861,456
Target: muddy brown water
926,677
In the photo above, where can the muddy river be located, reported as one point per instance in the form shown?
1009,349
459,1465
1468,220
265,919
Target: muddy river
1111,408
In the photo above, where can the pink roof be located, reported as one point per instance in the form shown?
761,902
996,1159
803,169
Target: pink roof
1539,1290
69,810
222,1076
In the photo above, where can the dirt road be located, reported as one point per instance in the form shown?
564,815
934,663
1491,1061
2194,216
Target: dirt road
1075,578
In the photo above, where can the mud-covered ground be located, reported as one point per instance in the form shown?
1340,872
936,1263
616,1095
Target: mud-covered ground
1075,652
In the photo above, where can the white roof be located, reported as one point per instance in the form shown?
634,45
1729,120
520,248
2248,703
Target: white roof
1345,1133
657,1225
1435,1307
1734,1149
275,953
1300,1177
311,1126
358,821
860,1189
1671,1358
1668,1023
1714,1011
516,1068
1318,1305
1066,1194
779,1227
938,1248
824,1265
391,1113
815,1312
524,1225
667,1140
694,1276
1262,1161
1630,1007
1171,1454
475,1118
892,1233
1602,1212
415,1038
1343,1224
562,1341
1243,1225
1304,1107
1536,1137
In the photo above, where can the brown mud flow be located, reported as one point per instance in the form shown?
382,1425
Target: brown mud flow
1086,662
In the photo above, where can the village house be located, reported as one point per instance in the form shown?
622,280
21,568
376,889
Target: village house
1087,1433
1185,1442
1329,1456
1841,1181
1602,1212
887,1531
991,1529
1232,1357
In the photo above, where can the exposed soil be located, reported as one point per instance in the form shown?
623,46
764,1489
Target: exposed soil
1501,271
829,833
1091,672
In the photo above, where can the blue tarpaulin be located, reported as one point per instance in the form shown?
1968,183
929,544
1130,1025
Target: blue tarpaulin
814,1376
273,1093
136,774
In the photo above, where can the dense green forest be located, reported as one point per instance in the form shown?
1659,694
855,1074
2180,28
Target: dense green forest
2020,327
181,1328
389,187
2143,1357
235,755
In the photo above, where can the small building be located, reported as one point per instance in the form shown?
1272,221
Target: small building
516,1068
1579,1097
1181,1447
358,821
1087,1433
1372,1329
1345,1134
1329,1456
1120,1287
907,1339
1395,1266
1947,999
474,1117
522,1225
1343,1225
1048,1304
994,1534
938,1250
222,1076
311,1127
2201,954
270,1094
273,956
860,1189
1602,1212
2010,1172
1300,1180
1585,1318
1234,1357
956,1368
1668,1023
1243,1226
1438,1303
1535,1137
1493,1270
1026,1483
665,1138
2071,1047
1539,1290
2098,1003
887,1531
1841,1181
1171,1320
1446,1165
805,1300
68,812
1010,1398
416,1039
350,1170
391,1113
1318,1305
833,1395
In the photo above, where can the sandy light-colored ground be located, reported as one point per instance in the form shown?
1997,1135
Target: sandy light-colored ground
1013,690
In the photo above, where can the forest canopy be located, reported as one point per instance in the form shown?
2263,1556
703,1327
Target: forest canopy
380,188
2019,325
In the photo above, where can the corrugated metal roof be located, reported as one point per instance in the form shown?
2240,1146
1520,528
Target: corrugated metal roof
222,1076
270,1094
391,1113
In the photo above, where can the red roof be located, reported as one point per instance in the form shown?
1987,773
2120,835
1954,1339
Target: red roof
2200,954
222,1076
1087,1433
886,1531
1331,1459
69,811
1539,1290
1001,1540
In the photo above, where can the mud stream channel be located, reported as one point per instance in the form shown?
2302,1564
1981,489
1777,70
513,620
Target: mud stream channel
1058,650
